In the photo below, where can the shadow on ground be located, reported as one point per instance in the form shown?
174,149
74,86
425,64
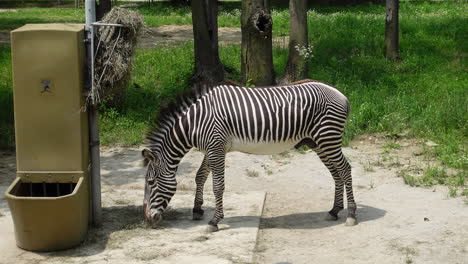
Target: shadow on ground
128,222
315,220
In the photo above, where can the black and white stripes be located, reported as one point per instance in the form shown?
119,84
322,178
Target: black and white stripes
262,120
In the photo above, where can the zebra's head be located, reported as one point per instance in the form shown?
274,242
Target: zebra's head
160,186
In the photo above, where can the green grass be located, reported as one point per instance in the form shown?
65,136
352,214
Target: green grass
7,129
390,145
12,20
151,85
425,93
432,176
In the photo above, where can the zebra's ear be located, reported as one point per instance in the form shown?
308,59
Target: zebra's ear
148,154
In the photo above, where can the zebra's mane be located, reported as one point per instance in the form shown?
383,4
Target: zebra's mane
170,110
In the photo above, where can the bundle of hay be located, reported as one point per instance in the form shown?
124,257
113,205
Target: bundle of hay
114,53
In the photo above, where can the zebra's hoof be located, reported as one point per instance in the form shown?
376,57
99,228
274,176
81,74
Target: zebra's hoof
197,216
331,217
351,221
211,228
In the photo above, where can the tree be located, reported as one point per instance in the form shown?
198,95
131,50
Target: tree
257,57
208,66
296,67
392,50
102,8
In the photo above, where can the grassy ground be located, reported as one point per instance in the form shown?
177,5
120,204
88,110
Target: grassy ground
425,94
6,99
12,20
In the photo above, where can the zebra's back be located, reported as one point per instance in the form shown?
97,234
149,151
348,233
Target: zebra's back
268,120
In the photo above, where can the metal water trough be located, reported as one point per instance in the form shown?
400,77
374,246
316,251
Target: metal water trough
49,213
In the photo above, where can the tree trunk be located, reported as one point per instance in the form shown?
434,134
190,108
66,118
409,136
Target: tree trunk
257,57
102,8
208,66
392,50
296,67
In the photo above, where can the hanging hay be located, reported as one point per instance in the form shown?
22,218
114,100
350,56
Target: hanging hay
114,53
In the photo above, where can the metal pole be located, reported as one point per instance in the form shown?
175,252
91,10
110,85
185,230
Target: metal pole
93,118
90,12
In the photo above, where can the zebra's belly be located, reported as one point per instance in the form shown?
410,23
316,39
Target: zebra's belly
263,147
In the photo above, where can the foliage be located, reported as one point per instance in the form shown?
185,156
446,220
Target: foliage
153,82
433,176
7,130
425,93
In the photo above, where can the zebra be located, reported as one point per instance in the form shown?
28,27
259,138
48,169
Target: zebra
260,120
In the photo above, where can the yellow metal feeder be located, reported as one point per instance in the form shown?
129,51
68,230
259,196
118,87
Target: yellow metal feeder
49,199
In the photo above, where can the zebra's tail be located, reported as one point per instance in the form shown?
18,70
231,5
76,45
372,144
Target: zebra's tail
348,108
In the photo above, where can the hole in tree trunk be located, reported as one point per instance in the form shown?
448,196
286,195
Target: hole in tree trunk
262,22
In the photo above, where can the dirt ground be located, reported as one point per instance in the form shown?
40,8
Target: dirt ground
126,238
397,223
171,35
178,34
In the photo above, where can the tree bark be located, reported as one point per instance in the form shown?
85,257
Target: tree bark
257,56
208,66
102,8
296,67
392,49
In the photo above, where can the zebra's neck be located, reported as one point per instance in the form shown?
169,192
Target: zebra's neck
170,142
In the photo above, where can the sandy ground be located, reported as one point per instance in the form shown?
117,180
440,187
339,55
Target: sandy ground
125,237
397,223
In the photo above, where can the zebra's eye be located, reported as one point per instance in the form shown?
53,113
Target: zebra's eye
151,181
156,164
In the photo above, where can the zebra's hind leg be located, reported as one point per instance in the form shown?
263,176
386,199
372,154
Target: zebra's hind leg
344,170
200,179
351,219
339,186
216,160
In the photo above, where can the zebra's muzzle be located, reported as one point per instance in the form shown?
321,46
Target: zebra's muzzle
146,211
152,218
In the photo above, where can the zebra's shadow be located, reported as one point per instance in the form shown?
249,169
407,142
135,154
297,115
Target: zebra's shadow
309,220
181,218
316,220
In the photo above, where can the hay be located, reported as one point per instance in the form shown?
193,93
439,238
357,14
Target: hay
114,54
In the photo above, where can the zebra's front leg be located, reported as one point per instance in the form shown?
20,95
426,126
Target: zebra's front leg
216,163
200,180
